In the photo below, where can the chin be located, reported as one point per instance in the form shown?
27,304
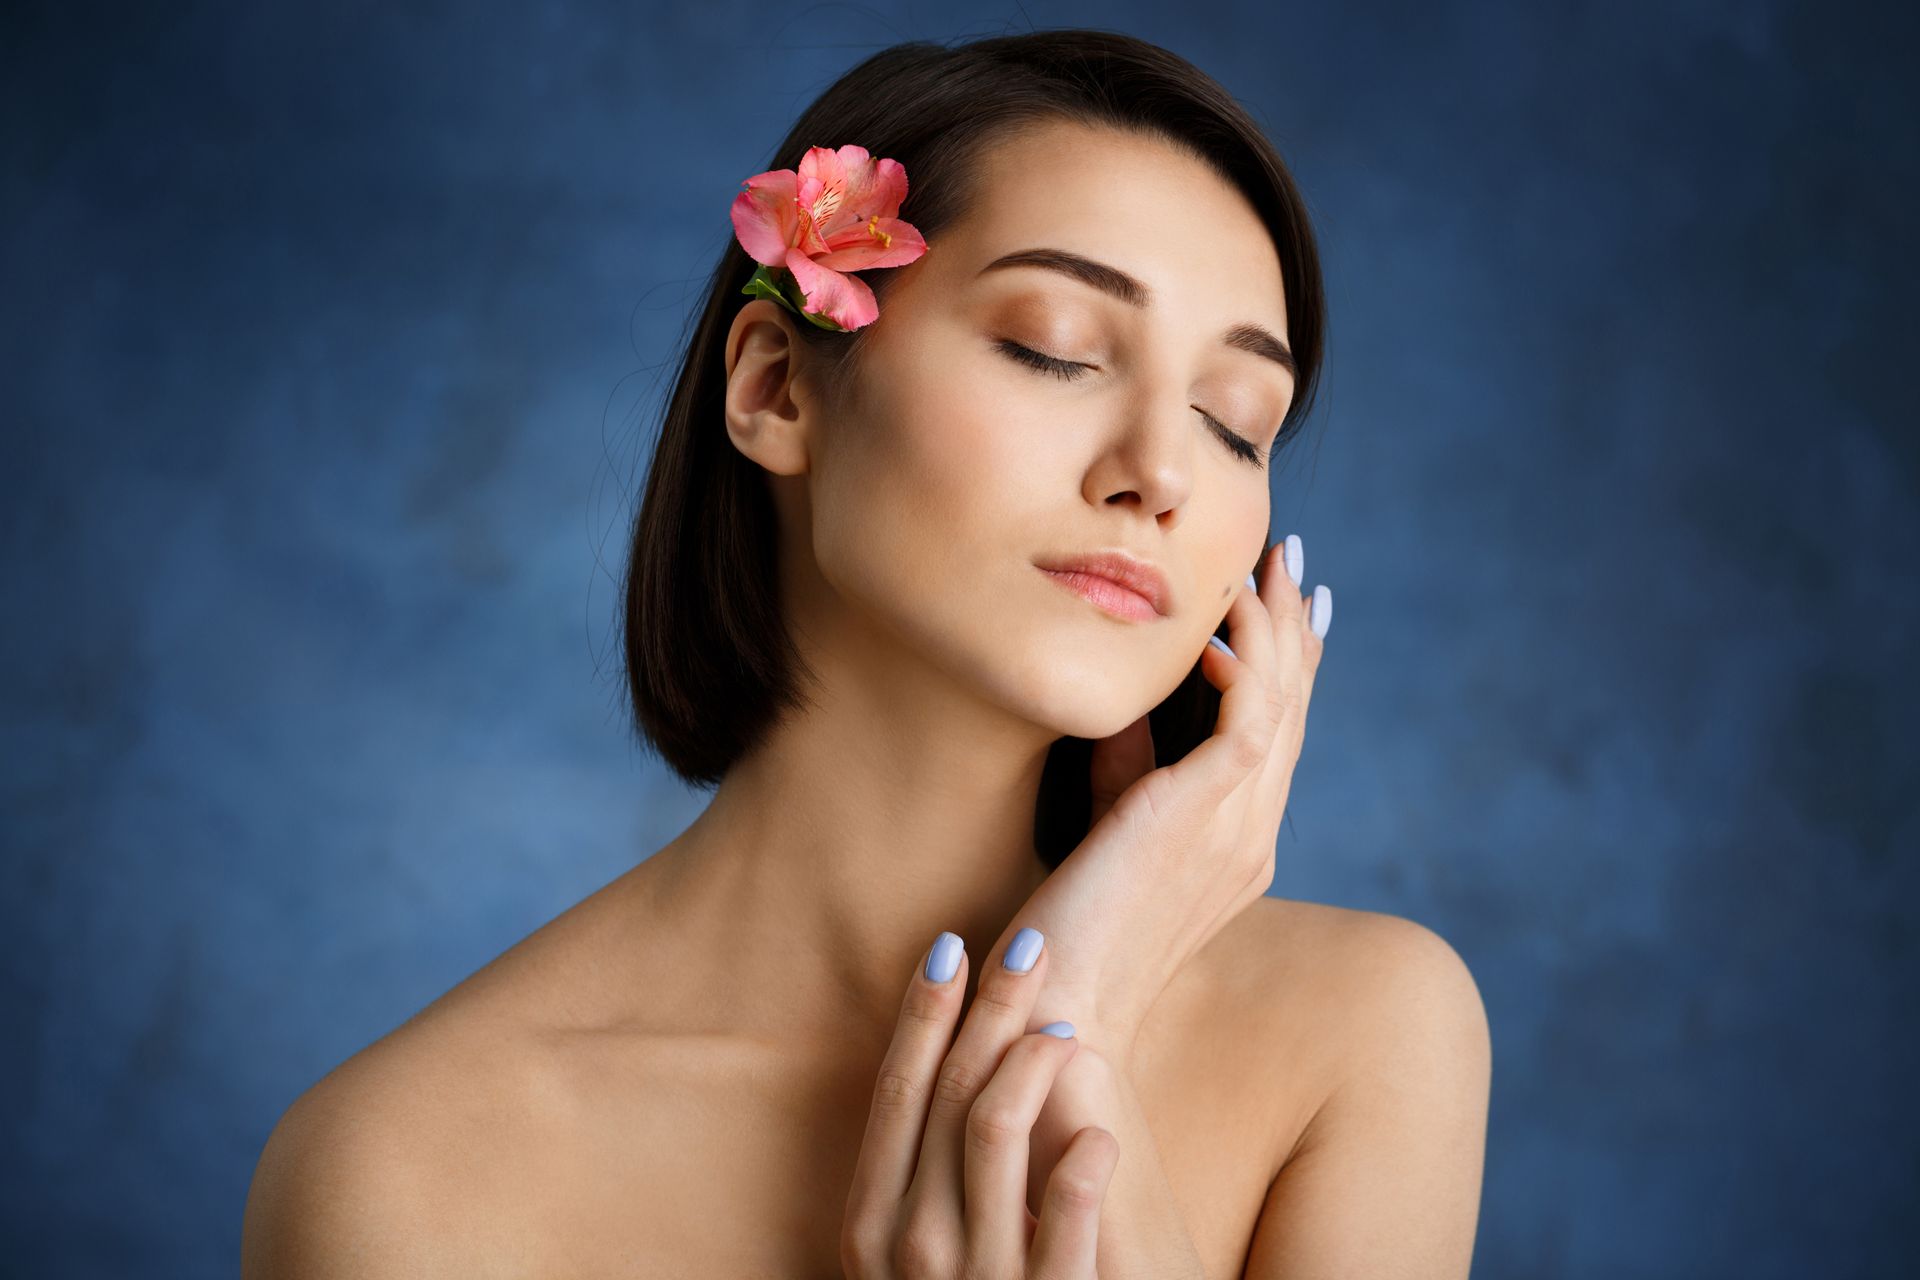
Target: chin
1084,689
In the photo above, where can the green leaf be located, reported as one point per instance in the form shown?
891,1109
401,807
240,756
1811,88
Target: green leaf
778,285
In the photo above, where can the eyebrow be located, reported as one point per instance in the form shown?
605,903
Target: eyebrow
1117,283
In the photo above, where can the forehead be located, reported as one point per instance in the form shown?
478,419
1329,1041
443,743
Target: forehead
1136,203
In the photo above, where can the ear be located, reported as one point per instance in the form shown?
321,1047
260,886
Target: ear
767,407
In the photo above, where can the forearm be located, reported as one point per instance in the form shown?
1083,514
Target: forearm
1142,1233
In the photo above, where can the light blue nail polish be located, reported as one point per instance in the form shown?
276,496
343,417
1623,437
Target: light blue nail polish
1221,645
1296,558
1062,1029
1321,616
1252,583
944,960
1022,951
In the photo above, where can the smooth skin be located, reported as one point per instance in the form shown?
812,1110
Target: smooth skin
672,1077
1172,856
1174,853
940,1188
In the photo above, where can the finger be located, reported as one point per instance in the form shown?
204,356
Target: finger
1280,592
1313,634
1274,572
1118,762
1280,588
999,1129
1250,631
996,1018
1065,1240
1244,731
1317,611
1313,643
904,1089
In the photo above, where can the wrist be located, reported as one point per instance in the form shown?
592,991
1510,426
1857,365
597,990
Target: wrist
1113,1038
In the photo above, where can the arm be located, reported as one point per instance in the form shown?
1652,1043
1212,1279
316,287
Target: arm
1385,1180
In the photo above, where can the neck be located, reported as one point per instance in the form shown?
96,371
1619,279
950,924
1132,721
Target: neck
830,858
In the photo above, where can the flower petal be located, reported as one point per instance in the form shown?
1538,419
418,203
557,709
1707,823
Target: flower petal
843,299
887,188
878,242
872,187
766,219
830,167
844,188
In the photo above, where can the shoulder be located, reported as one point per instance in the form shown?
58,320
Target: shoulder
383,1166
1384,1176
1376,967
1343,994
341,1184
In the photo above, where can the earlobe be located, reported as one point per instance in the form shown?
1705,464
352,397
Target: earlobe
764,419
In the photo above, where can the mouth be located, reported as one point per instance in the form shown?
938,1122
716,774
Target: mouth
1121,585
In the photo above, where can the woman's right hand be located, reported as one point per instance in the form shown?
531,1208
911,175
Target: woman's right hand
940,1188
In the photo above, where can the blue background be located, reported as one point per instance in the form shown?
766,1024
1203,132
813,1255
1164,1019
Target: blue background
331,340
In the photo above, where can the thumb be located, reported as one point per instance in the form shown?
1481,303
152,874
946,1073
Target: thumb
1118,762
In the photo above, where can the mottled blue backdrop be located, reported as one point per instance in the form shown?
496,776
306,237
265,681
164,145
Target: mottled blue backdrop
331,336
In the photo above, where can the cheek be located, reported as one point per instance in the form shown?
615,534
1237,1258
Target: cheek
932,506
944,456
906,493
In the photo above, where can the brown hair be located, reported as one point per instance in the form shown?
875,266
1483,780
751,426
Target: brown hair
709,662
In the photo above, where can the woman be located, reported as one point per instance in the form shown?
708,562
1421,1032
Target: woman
967,968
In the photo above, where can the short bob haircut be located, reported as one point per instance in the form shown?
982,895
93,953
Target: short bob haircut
709,663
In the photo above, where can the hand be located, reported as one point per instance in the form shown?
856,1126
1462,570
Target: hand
940,1186
1174,853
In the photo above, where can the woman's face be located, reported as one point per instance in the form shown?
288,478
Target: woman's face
929,499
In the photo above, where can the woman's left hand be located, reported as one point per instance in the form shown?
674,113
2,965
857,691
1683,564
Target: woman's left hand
1174,853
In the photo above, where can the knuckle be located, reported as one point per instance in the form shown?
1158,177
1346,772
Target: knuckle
862,1250
1075,1194
1276,700
896,1090
924,1250
958,1085
1251,743
1292,700
993,1127
1274,689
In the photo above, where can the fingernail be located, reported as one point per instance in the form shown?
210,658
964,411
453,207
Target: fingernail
1296,558
1252,583
1062,1029
1022,951
1221,645
1320,615
944,960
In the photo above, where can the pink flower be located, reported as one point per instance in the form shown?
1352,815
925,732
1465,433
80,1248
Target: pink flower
836,215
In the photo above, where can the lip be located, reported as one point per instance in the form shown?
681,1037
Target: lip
1136,578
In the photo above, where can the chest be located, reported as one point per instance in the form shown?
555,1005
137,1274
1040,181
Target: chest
679,1166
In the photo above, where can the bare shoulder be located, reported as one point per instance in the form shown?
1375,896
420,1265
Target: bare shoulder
399,1160
1387,954
1334,991
1341,959
375,1168
1383,1177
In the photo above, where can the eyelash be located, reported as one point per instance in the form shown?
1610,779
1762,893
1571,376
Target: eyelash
1071,370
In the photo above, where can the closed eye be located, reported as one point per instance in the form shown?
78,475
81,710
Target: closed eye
1071,370
1067,369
